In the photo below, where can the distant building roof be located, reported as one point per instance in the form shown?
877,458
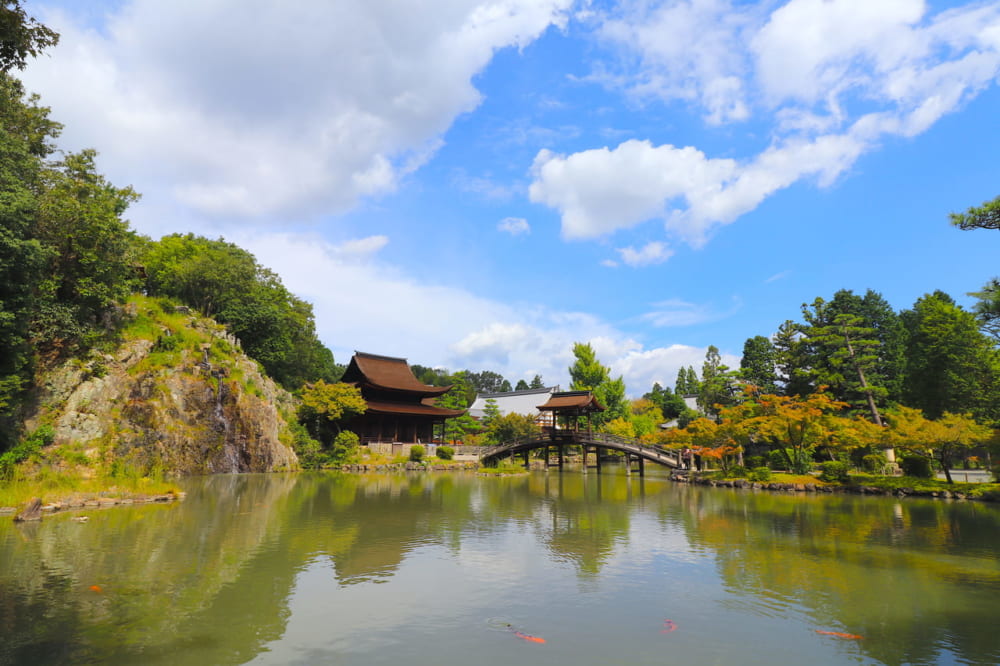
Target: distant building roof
512,402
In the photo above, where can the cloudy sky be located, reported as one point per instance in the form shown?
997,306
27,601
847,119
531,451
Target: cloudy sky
480,184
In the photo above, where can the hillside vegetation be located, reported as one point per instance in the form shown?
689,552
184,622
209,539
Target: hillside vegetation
174,394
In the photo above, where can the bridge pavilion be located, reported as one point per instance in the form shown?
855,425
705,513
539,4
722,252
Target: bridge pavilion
568,408
401,409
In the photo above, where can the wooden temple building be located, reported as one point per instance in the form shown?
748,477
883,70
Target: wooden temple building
401,410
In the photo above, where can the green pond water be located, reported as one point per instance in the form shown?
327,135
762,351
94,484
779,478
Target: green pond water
444,568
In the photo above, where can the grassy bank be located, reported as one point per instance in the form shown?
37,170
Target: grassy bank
900,485
54,487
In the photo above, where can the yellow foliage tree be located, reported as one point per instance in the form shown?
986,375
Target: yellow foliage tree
943,440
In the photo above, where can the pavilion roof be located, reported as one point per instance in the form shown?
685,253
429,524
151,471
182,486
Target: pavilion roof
389,373
572,401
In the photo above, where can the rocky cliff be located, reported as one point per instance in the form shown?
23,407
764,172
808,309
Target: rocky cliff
175,393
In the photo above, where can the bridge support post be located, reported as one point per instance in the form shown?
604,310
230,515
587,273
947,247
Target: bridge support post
561,455
597,454
546,456
583,449
642,466
628,464
527,460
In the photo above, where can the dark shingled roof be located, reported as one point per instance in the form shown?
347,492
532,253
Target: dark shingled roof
387,372
417,409
582,401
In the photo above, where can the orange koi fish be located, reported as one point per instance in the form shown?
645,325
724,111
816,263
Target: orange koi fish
839,634
526,637
96,588
668,626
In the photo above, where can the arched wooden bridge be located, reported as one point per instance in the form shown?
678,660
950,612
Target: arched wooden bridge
587,441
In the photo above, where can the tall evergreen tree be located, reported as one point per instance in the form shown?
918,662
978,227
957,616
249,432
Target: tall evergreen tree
986,216
757,364
791,360
951,365
587,374
987,308
716,387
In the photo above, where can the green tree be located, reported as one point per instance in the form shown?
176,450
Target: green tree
952,366
224,281
536,382
791,359
488,381
490,412
22,36
757,365
986,216
90,265
849,352
716,386
511,428
669,403
987,308
588,374
325,407
521,385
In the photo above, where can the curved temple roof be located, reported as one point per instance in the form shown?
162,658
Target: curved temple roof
388,373
572,401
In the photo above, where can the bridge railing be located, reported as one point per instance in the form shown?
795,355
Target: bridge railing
589,438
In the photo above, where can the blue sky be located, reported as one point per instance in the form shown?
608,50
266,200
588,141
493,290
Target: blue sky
483,185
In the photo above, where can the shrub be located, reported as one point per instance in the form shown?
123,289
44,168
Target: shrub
776,459
416,453
28,447
917,466
445,452
874,462
737,472
996,472
760,474
756,461
345,446
834,471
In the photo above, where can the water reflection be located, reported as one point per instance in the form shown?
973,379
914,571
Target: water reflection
357,569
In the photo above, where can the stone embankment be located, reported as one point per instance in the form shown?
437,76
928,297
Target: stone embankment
410,467
35,509
826,488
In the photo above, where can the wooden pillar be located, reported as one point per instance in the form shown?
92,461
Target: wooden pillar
527,460
642,466
561,455
628,463
583,448
597,454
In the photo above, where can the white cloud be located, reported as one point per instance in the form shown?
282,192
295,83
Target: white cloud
832,78
676,312
599,191
515,226
648,255
380,309
777,276
684,51
274,109
644,368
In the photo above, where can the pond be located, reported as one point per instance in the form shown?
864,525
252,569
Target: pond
443,568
